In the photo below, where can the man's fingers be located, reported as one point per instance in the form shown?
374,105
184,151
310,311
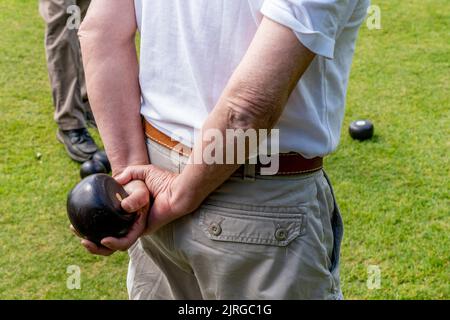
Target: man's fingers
138,198
132,173
123,244
118,244
97,250
123,178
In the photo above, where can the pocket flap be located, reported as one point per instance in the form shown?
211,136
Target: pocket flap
253,227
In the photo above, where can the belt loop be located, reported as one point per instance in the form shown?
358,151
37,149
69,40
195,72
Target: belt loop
249,172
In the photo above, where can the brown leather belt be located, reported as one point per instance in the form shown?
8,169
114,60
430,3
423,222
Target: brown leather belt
289,163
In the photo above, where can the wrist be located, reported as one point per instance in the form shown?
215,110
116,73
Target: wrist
117,169
132,155
183,198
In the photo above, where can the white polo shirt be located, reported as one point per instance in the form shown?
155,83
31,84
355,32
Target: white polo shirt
190,48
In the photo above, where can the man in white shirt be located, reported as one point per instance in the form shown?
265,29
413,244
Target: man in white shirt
213,230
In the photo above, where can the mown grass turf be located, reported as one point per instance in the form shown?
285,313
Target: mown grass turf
393,190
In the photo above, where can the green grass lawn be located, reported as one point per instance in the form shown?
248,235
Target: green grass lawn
393,190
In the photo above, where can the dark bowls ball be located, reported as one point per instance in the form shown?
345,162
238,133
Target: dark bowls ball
361,130
103,158
95,211
91,167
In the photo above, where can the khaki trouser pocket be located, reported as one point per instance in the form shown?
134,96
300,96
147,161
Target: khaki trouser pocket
272,226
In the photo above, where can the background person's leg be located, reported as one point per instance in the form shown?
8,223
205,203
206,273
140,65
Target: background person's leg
89,116
62,51
84,5
64,68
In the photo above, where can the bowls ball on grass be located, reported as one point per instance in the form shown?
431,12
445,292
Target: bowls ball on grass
103,158
91,167
361,130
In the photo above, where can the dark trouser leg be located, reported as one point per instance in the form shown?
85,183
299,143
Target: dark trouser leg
84,5
63,61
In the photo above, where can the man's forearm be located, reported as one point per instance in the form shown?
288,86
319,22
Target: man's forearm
253,99
111,69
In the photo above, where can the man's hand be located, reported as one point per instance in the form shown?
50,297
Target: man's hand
142,183
161,185
137,202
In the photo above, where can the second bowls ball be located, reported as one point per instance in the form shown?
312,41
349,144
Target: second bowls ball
91,167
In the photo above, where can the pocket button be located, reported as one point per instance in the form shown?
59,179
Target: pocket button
215,229
281,234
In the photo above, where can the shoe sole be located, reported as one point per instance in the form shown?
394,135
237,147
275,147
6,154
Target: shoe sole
73,156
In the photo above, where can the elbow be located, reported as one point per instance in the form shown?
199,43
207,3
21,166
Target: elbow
86,31
88,35
251,108
96,34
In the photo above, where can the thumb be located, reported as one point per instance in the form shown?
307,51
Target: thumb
138,198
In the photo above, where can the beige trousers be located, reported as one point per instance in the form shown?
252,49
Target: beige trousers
64,63
268,238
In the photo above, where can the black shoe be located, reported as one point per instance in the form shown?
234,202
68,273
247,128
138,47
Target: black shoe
78,143
90,120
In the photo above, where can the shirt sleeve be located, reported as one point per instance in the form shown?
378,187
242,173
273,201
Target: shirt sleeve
316,23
